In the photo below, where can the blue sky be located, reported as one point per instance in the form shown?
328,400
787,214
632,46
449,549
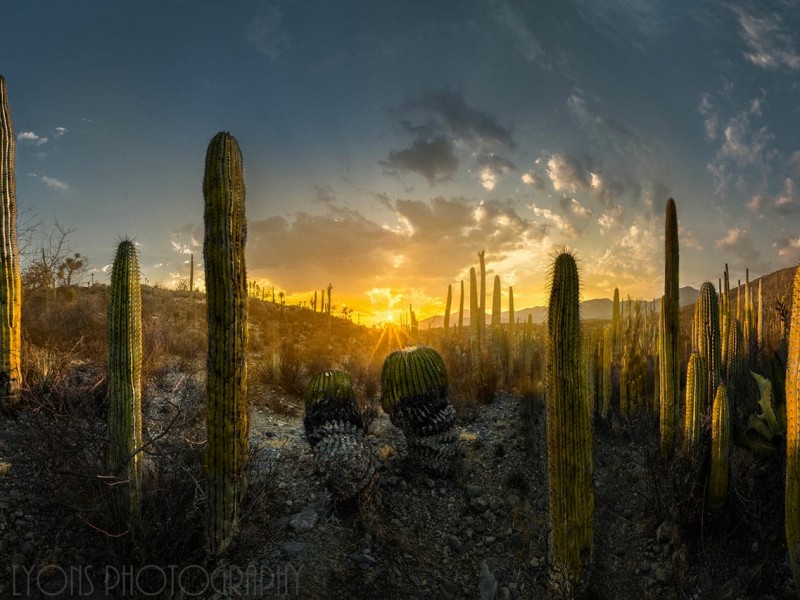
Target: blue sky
386,143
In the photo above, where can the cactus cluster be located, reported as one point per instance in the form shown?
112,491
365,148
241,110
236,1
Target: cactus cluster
125,383
414,394
226,293
335,429
569,434
10,289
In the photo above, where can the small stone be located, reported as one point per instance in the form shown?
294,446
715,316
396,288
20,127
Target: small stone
304,520
363,559
489,540
663,576
488,584
455,544
512,501
479,504
472,491
495,503
429,483
505,594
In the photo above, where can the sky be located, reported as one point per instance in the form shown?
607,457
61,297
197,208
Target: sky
386,143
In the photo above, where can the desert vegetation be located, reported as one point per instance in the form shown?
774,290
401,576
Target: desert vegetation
645,455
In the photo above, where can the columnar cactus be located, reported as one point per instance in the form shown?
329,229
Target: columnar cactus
616,328
792,519
125,383
226,287
474,319
497,332
708,337
414,394
736,368
482,299
670,384
10,289
512,322
569,434
720,447
461,311
447,307
605,405
335,429
696,381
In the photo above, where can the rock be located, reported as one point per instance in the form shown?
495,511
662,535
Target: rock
429,483
666,533
488,584
293,548
454,544
472,491
495,503
479,504
505,594
663,576
364,560
304,520
512,500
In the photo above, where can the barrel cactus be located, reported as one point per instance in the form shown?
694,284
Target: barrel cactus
226,293
569,435
414,394
335,429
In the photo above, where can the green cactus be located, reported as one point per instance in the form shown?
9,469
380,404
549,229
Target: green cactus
708,337
512,322
125,383
226,287
696,381
670,384
497,332
474,320
461,312
616,328
10,290
792,522
482,299
607,372
414,394
736,367
720,447
569,434
335,429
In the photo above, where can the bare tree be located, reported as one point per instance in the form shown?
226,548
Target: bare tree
72,269
42,254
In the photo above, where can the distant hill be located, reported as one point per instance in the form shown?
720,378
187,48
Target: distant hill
598,308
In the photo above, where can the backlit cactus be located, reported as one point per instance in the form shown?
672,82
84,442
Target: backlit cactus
125,383
708,337
792,518
226,288
720,447
335,429
696,381
10,289
669,362
569,434
447,310
414,394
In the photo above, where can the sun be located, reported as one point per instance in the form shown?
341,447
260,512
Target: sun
390,318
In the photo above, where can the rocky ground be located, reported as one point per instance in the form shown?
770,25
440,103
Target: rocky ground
479,533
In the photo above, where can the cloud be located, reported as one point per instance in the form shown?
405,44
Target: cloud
711,118
434,159
266,32
59,131
29,137
770,43
566,174
787,200
743,144
561,223
442,123
526,43
738,242
55,184
788,248
531,178
187,239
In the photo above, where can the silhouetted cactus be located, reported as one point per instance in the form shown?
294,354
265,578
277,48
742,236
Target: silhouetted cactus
569,433
447,307
720,447
226,287
669,361
125,383
708,337
10,290
335,429
414,394
792,522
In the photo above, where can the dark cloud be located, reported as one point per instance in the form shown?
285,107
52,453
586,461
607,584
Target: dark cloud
434,159
441,122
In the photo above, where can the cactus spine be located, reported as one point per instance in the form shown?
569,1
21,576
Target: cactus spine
125,383
792,518
226,285
670,384
10,290
720,446
569,432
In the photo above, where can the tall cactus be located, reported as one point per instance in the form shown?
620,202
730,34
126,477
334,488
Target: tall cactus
569,433
616,328
447,307
792,517
226,286
605,405
482,298
497,332
708,337
720,447
670,384
10,289
461,311
125,383
474,319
